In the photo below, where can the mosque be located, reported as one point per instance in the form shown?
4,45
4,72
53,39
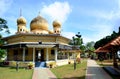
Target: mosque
39,44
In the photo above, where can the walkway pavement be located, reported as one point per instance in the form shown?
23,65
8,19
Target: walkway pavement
94,71
43,73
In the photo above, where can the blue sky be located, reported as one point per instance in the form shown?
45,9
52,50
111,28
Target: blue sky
94,19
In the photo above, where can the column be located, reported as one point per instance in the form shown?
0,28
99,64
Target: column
33,54
68,55
47,57
56,53
23,54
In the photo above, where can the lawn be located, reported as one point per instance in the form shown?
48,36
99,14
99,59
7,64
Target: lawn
11,73
106,63
68,72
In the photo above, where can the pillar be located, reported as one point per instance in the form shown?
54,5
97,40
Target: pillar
47,57
68,55
23,54
115,64
56,53
33,54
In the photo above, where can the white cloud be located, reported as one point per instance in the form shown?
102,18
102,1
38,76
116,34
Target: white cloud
99,32
68,34
85,38
4,5
57,10
104,24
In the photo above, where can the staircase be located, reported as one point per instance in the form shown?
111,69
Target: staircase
40,64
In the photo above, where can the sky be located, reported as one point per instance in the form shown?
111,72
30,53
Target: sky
94,19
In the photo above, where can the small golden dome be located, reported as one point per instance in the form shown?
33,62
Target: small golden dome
21,20
56,23
51,32
39,23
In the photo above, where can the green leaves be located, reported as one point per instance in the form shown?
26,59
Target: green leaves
2,53
106,39
3,25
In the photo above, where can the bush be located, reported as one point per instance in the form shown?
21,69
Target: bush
51,64
30,65
6,63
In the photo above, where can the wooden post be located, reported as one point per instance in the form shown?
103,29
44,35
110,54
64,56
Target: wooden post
114,51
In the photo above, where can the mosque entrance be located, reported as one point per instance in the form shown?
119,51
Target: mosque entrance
39,55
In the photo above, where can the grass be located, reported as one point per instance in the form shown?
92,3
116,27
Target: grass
11,73
68,72
106,63
103,63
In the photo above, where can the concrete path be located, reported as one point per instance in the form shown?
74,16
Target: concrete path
94,71
43,73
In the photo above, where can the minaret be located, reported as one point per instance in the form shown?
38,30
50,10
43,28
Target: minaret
57,27
21,23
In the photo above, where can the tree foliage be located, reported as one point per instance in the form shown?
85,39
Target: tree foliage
3,26
77,40
90,46
2,53
106,39
82,48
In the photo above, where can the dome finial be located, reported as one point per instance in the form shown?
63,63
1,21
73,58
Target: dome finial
21,19
39,13
20,12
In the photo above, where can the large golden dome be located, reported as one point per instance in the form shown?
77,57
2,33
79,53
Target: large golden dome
21,20
56,23
39,23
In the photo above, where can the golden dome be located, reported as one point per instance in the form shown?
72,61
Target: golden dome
39,23
21,20
56,23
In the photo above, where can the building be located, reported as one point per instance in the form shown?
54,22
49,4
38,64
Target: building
39,44
113,48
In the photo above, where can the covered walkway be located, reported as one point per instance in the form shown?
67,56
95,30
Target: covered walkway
94,71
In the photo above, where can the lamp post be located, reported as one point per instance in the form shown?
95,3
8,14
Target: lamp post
74,55
79,36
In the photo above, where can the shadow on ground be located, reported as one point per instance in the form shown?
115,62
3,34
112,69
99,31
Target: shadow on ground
83,77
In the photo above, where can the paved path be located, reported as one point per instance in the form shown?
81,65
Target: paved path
94,71
43,73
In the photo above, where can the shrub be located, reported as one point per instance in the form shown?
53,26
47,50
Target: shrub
30,65
51,64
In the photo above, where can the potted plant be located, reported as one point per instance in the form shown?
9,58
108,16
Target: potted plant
69,62
30,65
51,65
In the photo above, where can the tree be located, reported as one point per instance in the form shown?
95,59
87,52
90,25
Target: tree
77,40
82,48
106,39
3,27
90,48
2,53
